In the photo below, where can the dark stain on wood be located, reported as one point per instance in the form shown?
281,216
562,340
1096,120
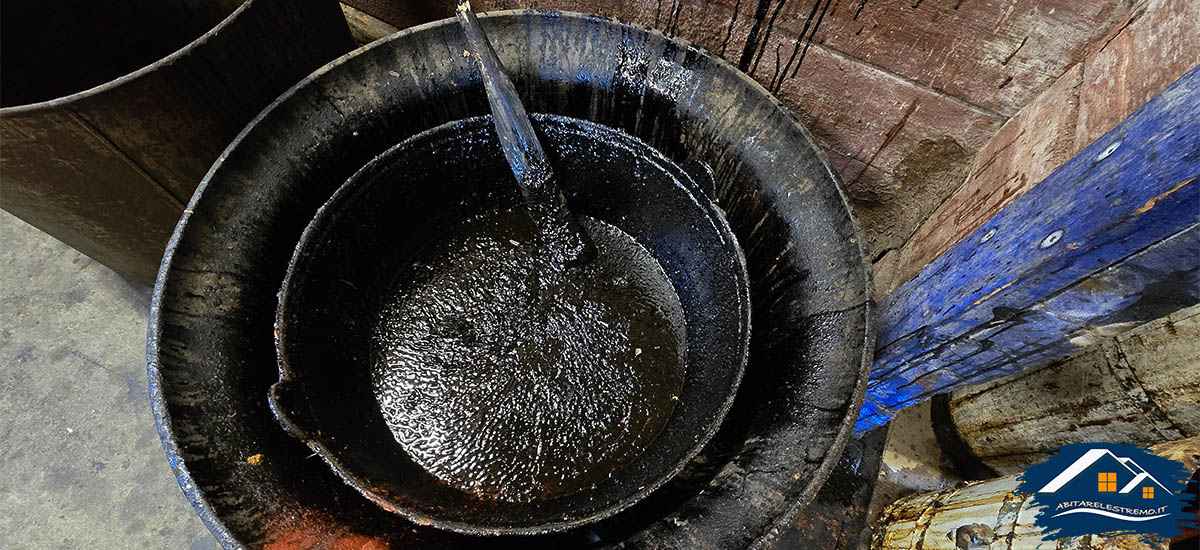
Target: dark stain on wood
775,75
675,17
729,30
775,84
752,39
1014,52
862,5
767,36
892,133
808,43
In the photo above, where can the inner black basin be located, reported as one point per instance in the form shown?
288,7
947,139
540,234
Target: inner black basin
355,314
60,47
507,374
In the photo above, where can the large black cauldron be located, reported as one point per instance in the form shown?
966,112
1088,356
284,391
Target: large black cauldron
211,355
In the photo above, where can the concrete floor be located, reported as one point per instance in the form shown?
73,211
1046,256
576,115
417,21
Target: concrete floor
80,461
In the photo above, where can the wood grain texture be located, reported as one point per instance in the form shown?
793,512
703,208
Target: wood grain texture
1103,233
1152,47
1159,44
1027,148
997,55
1140,387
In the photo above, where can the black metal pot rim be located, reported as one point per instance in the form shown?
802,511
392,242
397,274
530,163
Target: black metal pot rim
128,77
158,403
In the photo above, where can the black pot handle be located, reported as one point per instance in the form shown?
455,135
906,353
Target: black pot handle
559,230
291,409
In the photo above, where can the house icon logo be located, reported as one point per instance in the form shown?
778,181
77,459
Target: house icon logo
1107,488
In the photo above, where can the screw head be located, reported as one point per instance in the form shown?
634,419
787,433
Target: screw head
1112,148
1051,239
988,236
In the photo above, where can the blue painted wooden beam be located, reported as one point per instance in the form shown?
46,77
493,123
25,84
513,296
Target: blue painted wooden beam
1110,237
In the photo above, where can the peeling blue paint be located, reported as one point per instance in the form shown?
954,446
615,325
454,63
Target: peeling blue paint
1112,236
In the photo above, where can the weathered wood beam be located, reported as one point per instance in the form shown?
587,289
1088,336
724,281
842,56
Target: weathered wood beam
1155,44
1114,228
1140,387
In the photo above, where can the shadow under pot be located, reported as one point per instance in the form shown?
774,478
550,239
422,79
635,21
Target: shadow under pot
451,374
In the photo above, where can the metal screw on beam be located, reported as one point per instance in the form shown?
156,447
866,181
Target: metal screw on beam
1050,239
1108,151
988,236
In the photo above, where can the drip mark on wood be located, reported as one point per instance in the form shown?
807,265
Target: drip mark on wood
863,4
775,77
804,52
752,40
791,58
796,45
891,135
675,18
767,37
729,31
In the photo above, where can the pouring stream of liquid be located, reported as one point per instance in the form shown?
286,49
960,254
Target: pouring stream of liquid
560,233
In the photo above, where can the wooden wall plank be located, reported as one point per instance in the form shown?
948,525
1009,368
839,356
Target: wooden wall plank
1154,46
997,55
1029,146
1158,45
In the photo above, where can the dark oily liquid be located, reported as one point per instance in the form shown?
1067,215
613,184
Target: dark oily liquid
512,377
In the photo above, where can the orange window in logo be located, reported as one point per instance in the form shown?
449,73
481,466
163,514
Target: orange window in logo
1108,482
1147,492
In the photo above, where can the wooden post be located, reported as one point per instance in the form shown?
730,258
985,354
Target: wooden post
1141,387
1112,231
